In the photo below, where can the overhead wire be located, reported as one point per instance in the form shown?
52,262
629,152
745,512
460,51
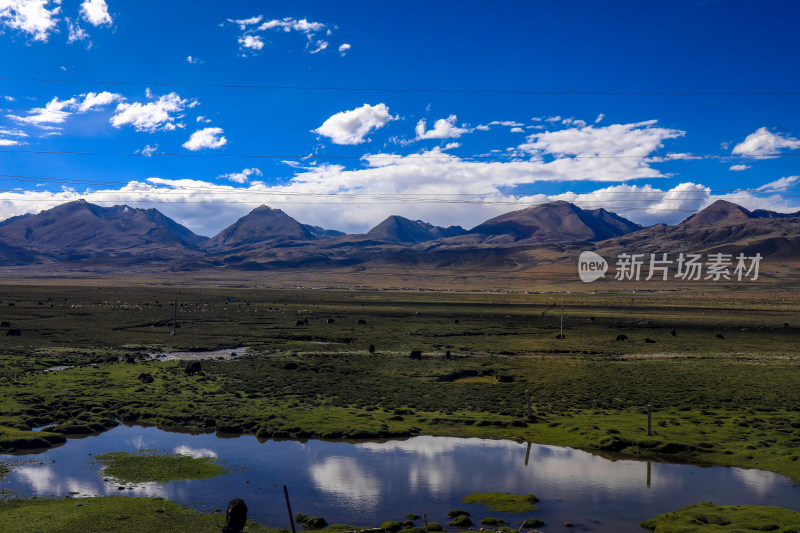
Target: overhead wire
294,87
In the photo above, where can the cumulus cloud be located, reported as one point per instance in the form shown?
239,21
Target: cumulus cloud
780,184
92,100
444,128
253,42
763,142
243,176
54,112
344,48
76,33
206,138
34,17
416,185
148,150
192,60
738,168
252,39
152,116
289,24
351,127
57,111
244,23
96,12
318,47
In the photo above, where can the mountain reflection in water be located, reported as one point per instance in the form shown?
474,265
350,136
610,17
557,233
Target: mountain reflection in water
368,483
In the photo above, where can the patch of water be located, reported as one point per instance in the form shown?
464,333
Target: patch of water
198,356
367,483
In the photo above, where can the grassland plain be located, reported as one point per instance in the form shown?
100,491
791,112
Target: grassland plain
707,517
110,513
723,387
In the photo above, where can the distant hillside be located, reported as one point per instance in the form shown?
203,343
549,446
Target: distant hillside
262,226
722,227
79,229
555,222
400,229
84,234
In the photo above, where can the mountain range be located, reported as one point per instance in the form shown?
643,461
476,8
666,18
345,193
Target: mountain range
82,234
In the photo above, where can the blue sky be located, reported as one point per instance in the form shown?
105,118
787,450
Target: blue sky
342,113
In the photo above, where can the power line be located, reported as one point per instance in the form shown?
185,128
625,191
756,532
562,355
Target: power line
407,89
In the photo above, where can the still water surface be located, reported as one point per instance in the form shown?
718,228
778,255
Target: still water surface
368,483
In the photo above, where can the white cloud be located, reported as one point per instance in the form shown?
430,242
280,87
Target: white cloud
517,130
344,48
599,118
203,119
152,116
76,33
253,42
243,176
351,127
148,150
244,23
8,142
193,60
320,46
780,184
33,17
289,24
96,12
621,140
52,113
763,142
444,128
738,168
92,100
206,138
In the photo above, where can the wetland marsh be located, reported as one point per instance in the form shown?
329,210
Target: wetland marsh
721,376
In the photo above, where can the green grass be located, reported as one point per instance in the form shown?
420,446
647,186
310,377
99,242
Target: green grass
707,517
149,466
503,502
129,515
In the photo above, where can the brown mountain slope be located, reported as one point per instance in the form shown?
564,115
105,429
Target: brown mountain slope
80,229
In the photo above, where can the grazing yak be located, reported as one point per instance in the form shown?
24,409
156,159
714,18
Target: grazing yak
416,354
192,368
673,333
371,348
13,333
720,336
649,341
146,378
235,516
362,322
331,321
5,325
622,337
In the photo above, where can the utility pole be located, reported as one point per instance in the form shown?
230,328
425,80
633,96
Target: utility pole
174,317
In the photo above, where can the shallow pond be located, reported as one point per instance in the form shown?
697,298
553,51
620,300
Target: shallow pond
367,483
